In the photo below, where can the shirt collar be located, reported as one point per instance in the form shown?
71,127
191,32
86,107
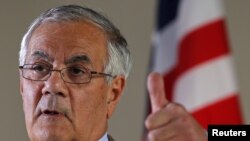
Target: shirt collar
104,137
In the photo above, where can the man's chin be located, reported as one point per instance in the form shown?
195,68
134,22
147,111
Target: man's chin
50,129
50,134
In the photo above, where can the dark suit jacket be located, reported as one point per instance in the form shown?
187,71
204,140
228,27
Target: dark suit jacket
110,138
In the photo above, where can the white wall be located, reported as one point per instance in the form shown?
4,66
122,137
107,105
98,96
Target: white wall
135,18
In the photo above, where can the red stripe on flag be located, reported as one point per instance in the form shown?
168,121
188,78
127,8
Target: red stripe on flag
226,111
201,45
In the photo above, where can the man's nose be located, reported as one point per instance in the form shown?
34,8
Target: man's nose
55,85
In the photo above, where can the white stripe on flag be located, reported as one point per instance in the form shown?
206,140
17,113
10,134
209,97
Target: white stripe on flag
195,13
206,83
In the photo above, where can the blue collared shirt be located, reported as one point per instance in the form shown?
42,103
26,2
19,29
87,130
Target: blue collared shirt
104,137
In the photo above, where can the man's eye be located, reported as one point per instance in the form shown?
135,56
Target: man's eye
76,71
40,68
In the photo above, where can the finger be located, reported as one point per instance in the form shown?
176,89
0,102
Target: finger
183,128
158,119
164,133
156,91
171,112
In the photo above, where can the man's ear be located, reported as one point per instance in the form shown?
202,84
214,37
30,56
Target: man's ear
116,90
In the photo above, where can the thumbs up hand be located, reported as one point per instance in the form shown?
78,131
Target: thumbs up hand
169,121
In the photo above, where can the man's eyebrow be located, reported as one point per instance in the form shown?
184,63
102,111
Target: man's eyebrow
78,58
41,54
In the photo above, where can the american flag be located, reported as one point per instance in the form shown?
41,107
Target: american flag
190,49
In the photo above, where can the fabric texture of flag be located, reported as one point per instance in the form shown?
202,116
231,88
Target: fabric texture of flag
190,49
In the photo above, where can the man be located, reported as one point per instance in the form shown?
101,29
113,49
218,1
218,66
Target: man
73,66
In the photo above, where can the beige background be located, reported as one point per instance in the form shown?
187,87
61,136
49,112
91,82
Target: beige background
135,18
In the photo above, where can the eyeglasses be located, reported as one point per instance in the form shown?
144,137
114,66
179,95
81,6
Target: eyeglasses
74,75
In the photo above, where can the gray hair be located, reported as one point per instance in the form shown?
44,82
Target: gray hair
119,61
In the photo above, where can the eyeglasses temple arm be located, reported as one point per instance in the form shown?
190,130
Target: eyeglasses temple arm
100,73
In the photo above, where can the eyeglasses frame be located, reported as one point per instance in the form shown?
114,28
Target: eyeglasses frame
60,71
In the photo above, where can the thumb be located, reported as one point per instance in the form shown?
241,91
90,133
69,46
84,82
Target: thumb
156,91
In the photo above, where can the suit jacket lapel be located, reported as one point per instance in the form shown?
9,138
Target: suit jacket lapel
110,138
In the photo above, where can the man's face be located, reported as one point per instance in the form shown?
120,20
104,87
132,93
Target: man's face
59,111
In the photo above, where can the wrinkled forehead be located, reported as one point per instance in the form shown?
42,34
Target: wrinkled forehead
54,40
82,32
